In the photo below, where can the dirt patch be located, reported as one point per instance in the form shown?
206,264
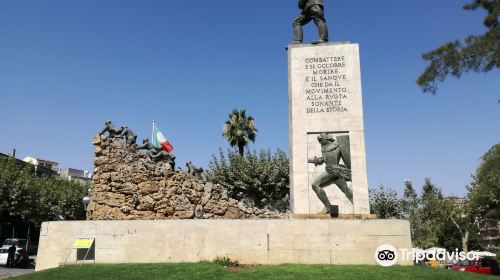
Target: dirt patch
241,268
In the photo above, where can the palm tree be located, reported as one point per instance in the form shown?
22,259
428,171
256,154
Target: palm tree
239,130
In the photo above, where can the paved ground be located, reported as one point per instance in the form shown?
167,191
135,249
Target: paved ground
10,272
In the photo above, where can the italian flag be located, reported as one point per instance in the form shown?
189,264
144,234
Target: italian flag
159,139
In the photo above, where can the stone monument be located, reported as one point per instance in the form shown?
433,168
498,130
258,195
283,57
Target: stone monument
185,218
325,101
131,185
139,202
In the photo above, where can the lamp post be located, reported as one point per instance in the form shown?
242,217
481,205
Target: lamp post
86,201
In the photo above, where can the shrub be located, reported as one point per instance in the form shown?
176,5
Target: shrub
258,179
226,262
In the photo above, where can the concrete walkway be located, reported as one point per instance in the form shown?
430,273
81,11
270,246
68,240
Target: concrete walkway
11,272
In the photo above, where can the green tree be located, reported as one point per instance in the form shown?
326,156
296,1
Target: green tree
449,238
32,199
239,130
17,192
484,191
385,203
476,53
409,209
259,180
460,226
430,215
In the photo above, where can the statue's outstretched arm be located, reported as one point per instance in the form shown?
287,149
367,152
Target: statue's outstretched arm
141,147
103,130
317,161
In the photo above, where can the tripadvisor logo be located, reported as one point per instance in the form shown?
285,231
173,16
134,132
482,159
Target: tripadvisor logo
386,255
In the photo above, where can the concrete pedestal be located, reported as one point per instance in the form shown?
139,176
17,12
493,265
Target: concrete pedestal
248,241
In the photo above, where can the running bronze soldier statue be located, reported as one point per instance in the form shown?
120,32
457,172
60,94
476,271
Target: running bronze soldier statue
335,173
311,10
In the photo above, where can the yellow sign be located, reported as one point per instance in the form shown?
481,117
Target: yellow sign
83,243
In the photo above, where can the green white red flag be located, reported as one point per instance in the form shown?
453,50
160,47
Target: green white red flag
159,139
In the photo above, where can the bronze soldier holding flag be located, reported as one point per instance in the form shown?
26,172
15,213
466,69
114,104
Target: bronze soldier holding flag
157,154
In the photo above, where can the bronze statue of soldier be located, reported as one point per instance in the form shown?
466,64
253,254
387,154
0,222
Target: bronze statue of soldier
113,131
311,10
129,135
199,173
191,168
335,172
157,154
146,145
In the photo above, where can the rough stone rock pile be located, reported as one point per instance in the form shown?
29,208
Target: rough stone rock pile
127,185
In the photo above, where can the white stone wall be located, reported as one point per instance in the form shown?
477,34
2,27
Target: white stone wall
248,241
325,96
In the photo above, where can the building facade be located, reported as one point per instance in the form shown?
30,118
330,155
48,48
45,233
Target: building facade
77,175
490,233
52,165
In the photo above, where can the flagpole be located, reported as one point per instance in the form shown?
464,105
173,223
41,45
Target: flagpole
153,131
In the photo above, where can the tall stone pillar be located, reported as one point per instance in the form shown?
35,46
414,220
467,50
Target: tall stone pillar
324,95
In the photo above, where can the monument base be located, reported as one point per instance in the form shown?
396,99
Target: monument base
263,242
341,216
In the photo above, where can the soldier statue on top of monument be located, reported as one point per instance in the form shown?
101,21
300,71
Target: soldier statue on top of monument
157,154
199,173
129,135
332,153
311,10
114,132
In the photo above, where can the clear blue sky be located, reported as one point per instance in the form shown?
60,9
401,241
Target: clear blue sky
67,66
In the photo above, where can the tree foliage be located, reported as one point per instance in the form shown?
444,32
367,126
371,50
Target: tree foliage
259,179
239,130
26,197
449,238
429,216
410,209
460,226
484,192
434,220
385,202
476,53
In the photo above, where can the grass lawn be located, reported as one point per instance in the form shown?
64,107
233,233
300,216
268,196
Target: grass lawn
207,271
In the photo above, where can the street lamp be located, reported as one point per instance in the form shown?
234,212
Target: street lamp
86,201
